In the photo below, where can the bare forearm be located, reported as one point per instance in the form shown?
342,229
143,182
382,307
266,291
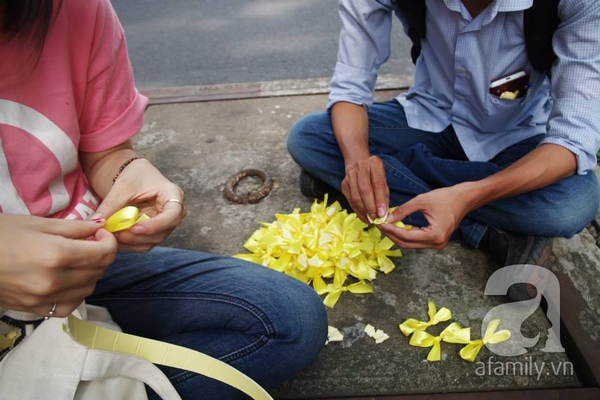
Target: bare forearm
100,168
350,126
541,167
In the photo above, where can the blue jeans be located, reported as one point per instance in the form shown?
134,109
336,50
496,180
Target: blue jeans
417,162
260,321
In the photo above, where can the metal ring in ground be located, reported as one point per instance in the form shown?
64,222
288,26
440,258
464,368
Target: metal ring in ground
253,196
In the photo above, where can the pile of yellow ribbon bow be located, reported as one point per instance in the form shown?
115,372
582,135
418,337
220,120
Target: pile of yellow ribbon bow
453,333
327,243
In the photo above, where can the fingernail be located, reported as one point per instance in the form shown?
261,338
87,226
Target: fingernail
381,211
373,216
96,216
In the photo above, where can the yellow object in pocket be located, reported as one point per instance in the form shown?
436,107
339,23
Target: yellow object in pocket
509,95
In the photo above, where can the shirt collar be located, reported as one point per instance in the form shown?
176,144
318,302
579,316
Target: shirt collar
493,9
512,5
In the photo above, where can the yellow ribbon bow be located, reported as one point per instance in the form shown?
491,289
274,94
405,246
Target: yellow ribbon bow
383,220
470,351
453,333
323,248
411,325
356,288
125,218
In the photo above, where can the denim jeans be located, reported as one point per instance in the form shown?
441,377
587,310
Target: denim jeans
417,162
262,322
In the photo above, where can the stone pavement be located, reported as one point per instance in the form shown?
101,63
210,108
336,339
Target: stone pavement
199,144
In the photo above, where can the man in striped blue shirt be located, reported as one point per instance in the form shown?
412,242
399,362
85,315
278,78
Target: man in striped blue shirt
501,173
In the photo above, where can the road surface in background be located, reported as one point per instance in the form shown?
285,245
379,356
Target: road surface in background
199,42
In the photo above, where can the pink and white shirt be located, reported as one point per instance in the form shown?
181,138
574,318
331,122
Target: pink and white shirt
79,97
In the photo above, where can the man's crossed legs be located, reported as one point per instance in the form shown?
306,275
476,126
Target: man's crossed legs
515,230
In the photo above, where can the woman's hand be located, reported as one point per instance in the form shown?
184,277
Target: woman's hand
140,184
45,261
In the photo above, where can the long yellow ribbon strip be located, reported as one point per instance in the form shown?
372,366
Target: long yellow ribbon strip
157,352
170,355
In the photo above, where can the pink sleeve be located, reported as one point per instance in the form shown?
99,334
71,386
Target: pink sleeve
112,109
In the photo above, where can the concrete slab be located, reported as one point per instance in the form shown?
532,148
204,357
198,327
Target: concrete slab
199,145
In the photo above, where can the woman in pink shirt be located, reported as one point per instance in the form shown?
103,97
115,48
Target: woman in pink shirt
68,109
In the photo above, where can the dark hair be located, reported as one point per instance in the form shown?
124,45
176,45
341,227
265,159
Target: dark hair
27,20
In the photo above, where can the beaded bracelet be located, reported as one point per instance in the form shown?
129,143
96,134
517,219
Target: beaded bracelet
122,167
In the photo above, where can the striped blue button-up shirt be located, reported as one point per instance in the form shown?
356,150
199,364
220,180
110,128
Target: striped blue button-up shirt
461,56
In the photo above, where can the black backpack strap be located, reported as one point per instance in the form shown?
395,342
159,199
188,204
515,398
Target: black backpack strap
540,21
414,12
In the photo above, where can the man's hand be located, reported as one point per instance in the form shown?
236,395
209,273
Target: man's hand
45,261
364,185
366,189
443,208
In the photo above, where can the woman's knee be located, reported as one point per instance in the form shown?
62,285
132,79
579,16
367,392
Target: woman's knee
305,316
301,328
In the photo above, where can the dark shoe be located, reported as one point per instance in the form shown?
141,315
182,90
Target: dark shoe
314,188
516,249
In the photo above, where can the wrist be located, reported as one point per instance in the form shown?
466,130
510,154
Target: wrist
123,166
350,160
472,195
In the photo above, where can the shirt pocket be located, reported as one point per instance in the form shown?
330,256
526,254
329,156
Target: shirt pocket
503,114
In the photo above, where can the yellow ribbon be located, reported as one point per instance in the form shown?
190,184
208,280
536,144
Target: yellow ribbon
453,333
327,244
411,325
8,340
470,351
99,338
125,218
383,220
356,288
157,352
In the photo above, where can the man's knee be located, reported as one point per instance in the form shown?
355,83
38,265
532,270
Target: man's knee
294,139
576,210
308,133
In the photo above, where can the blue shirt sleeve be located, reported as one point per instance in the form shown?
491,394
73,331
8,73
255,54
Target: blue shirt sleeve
364,45
574,121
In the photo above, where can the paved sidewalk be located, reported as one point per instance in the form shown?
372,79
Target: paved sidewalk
199,144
